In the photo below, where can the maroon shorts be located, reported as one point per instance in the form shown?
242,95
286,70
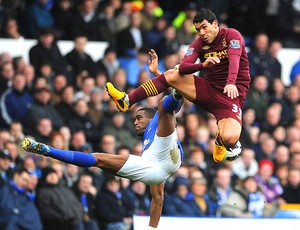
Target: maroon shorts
216,102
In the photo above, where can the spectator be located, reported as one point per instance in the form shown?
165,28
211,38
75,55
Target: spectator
122,18
96,107
78,139
268,184
84,20
62,13
260,60
7,73
65,106
15,101
81,120
86,194
59,83
17,159
47,51
245,165
220,189
291,192
70,175
79,60
29,163
156,33
185,34
295,160
275,65
169,43
58,206
289,102
11,29
258,97
138,195
198,194
86,86
39,17
111,198
108,143
29,74
132,38
177,204
248,201
189,11
267,148
149,13
5,172
281,155
42,108
43,129
118,128
135,66
16,132
282,173
107,28
289,23
109,64
17,211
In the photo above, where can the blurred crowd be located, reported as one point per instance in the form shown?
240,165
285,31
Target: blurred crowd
61,100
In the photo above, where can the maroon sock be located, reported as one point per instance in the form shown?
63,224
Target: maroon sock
150,88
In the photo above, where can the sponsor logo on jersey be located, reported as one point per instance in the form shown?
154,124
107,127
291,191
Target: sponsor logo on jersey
220,54
238,117
234,44
189,51
205,47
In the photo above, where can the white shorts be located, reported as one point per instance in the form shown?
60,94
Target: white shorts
156,164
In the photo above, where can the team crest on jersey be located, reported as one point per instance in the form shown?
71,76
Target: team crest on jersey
189,51
205,47
146,142
224,42
235,44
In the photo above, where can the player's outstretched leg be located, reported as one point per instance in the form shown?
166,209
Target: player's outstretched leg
120,98
219,149
72,157
33,146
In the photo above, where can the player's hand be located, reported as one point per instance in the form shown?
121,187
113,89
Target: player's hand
210,62
153,63
231,91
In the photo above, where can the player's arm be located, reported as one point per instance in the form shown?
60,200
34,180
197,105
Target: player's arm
153,63
235,46
157,193
188,65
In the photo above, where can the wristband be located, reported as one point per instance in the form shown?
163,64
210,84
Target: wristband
151,228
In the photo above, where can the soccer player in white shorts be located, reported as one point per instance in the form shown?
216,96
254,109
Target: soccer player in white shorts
161,156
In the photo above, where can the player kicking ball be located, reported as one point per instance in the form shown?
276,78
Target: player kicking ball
221,92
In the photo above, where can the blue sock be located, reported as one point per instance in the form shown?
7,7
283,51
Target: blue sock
170,104
73,157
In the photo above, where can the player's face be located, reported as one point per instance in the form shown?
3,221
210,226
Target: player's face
207,31
140,122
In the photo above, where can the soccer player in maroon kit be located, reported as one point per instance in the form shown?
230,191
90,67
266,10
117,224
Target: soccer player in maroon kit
223,90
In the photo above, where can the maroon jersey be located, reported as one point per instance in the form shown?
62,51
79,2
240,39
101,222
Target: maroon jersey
233,68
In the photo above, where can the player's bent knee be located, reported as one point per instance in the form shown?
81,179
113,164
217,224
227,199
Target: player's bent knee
172,76
229,140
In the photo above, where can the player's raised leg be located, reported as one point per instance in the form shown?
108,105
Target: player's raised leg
109,162
184,84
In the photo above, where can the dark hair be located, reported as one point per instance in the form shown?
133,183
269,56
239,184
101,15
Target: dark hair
19,170
149,112
204,14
